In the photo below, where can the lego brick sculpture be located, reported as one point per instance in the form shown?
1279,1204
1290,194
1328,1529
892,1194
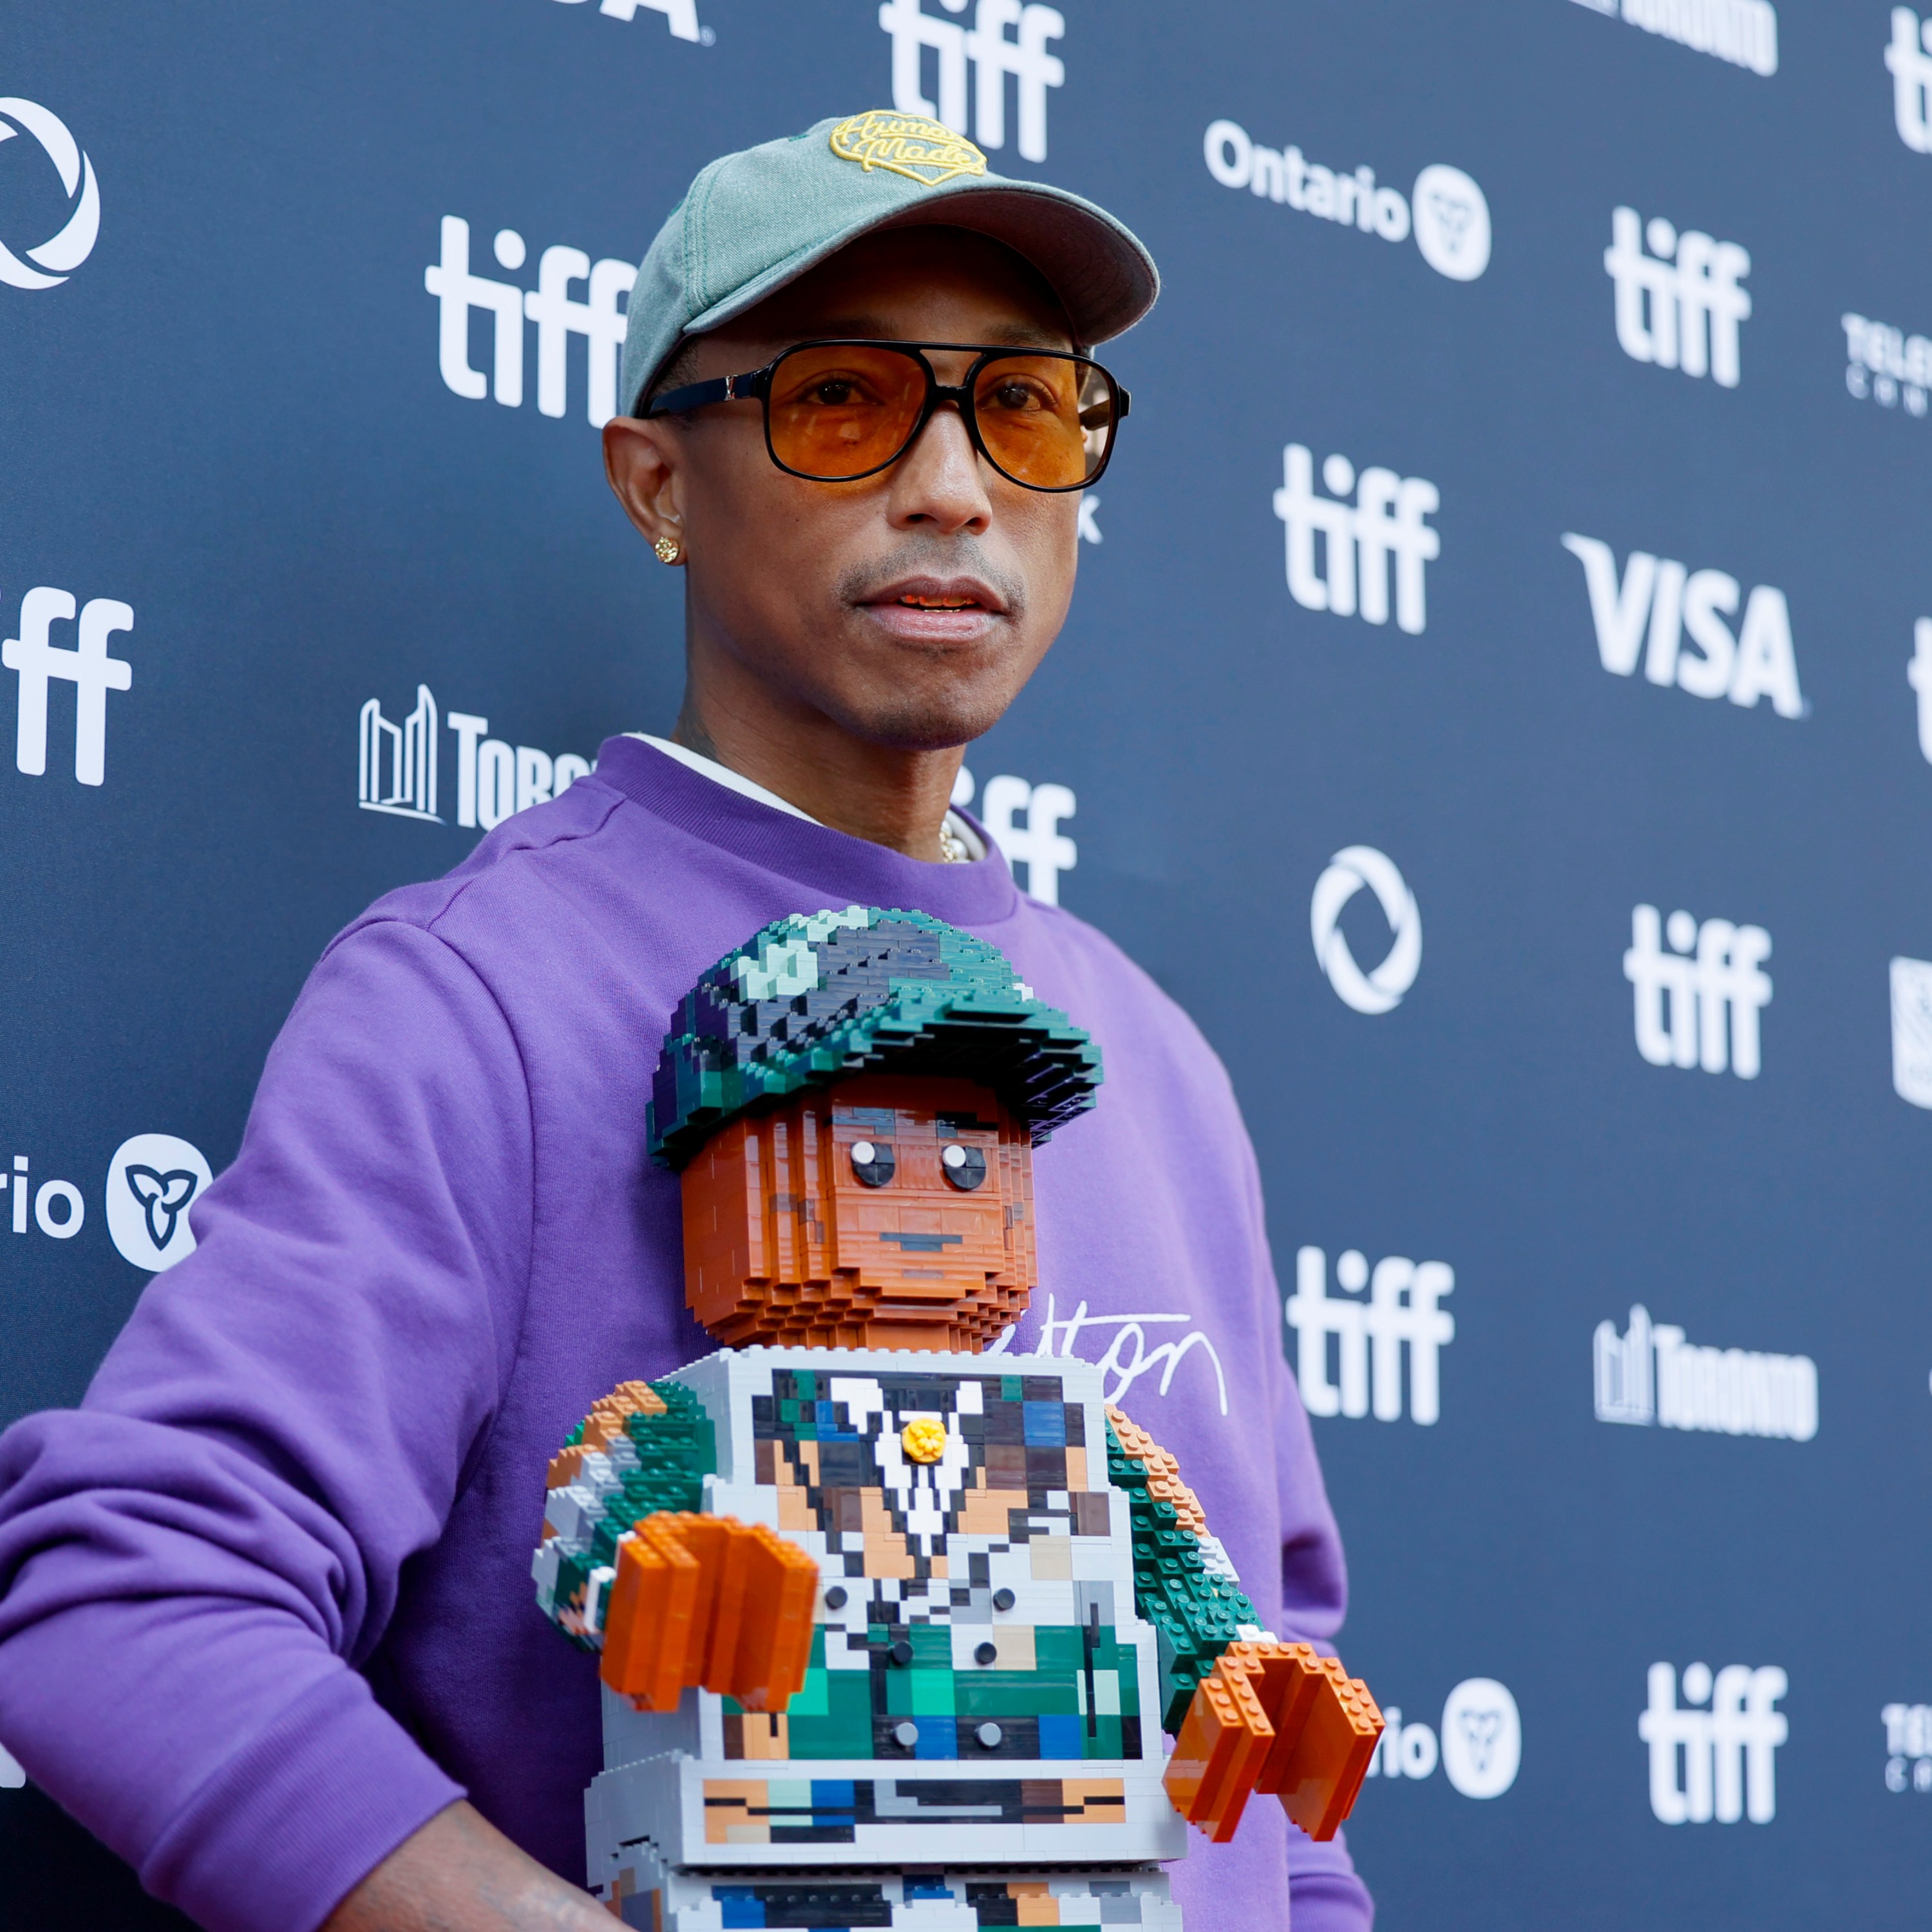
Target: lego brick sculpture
889,1630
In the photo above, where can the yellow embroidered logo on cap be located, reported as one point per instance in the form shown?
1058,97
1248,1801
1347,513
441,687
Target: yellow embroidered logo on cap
926,151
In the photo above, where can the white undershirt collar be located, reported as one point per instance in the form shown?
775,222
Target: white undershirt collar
724,775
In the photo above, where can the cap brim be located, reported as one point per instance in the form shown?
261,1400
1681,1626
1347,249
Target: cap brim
1105,279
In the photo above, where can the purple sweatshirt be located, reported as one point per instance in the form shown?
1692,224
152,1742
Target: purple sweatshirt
267,1602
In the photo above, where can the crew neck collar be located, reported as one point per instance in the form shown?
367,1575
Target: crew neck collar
847,871
962,829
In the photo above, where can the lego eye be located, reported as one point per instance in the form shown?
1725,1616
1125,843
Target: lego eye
965,1167
872,1162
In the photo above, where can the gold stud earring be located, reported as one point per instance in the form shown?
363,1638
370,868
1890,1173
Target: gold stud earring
669,550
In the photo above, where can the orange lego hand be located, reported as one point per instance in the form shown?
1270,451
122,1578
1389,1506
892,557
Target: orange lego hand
708,1600
1276,1717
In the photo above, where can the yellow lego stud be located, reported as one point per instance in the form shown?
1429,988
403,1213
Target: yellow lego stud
923,1440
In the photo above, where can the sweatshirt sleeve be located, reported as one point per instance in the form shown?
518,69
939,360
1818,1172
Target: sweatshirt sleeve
194,1564
1325,1893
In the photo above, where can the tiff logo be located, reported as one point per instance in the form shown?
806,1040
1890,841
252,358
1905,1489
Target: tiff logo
1679,306
1650,1374
1908,1747
1360,540
1909,58
397,767
1401,1312
599,320
1912,1031
994,57
1657,601
37,662
1040,844
1683,996
1714,1763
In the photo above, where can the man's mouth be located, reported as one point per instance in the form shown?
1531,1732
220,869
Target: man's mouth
948,596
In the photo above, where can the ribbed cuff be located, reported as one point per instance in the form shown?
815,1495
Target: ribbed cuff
294,1820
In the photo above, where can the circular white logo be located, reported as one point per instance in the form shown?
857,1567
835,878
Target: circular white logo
150,1180
1482,1738
1352,869
1452,222
75,242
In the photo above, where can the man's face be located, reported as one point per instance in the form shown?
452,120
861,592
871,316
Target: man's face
892,1212
908,608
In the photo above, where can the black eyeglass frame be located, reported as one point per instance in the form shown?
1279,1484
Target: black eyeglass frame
757,383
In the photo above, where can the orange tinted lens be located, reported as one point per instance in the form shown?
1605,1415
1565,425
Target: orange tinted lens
1044,420
843,410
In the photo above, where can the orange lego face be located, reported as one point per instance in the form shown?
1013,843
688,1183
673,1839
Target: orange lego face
891,1210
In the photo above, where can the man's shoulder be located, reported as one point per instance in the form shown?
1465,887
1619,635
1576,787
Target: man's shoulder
1081,969
540,856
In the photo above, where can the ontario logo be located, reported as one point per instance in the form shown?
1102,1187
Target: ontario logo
921,150
49,264
151,1181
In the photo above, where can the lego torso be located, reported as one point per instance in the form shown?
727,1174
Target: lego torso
980,1687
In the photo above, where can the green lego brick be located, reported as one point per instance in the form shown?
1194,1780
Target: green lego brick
1016,1693
932,1693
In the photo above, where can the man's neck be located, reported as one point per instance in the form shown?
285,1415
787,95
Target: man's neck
894,798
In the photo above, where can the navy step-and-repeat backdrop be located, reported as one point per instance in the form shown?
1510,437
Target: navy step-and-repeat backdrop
1497,704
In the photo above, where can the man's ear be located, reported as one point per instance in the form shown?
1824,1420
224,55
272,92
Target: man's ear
644,464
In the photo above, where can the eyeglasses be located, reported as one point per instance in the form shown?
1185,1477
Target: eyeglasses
836,411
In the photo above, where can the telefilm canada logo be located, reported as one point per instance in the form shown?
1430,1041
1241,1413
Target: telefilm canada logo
1651,1375
1403,1315
1445,212
1712,973
48,263
1479,1745
87,665
1009,39
1351,870
1343,554
1657,606
1680,301
397,767
1886,365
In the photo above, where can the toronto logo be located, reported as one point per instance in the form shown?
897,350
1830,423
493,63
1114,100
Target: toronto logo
51,261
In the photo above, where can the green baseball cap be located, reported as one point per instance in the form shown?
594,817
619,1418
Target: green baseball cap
754,221
812,998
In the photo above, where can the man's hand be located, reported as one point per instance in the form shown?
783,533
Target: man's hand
459,1873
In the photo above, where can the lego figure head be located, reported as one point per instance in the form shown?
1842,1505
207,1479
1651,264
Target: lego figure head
853,1100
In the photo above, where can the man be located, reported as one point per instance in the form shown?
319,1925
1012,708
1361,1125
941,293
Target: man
267,1627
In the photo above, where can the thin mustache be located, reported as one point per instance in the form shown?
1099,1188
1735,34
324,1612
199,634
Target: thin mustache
929,556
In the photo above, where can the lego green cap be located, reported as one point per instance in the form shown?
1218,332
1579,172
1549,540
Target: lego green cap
754,221
812,998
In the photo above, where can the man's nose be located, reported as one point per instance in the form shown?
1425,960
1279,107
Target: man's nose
939,483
